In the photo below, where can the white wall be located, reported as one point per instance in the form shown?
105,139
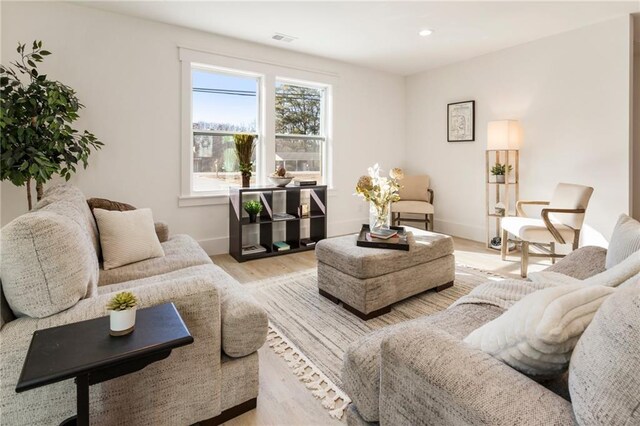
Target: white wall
636,120
571,94
127,73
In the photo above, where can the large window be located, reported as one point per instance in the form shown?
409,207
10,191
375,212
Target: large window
222,104
300,129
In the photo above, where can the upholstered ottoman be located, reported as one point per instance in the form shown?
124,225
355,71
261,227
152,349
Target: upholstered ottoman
369,280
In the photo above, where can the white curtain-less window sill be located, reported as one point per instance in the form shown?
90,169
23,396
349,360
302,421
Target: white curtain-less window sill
213,199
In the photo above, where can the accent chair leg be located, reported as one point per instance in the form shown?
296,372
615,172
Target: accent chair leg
431,222
524,261
552,248
504,244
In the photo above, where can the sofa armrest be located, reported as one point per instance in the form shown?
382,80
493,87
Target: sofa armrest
245,323
582,263
429,377
154,395
162,231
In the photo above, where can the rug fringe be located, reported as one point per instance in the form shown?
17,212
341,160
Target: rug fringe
320,386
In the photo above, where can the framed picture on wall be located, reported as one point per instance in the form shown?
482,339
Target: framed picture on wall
461,121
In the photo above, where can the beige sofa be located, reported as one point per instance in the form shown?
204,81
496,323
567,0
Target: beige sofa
47,253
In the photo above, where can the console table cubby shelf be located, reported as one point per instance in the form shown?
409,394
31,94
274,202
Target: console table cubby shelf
267,230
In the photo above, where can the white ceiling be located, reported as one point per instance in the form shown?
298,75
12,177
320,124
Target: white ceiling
381,35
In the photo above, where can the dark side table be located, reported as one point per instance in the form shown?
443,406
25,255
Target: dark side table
86,351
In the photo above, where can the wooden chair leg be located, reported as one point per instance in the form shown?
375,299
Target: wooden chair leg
524,261
504,244
552,248
431,222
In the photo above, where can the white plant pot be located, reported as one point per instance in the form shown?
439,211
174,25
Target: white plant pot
122,322
500,178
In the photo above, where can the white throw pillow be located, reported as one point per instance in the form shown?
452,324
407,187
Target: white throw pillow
537,335
127,237
625,240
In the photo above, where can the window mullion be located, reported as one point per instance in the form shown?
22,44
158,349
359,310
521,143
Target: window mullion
268,157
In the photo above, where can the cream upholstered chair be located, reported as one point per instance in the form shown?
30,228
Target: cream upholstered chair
416,198
560,223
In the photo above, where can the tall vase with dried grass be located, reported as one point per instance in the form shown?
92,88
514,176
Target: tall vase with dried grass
245,147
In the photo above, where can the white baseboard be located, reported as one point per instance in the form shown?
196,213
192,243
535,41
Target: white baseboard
461,230
213,246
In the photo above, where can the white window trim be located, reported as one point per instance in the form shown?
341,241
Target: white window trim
268,72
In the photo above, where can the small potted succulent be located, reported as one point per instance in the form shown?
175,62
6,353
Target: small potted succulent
499,170
122,313
253,208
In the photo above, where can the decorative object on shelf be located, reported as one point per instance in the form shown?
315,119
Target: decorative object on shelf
303,210
245,147
500,170
380,192
394,238
37,140
253,208
280,177
122,313
281,246
253,249
303,182
461,117
503,141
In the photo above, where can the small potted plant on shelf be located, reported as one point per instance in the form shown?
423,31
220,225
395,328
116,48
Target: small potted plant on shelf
245,146
122,313
499,171
253,208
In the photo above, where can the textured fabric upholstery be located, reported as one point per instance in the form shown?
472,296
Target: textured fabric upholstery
603,375
70,194
570,196
47,264
244,322
582,263
343,254
355,419
361,368
625,240
534,230
238,371
162,231
414,188
164,393
417,207
449,383
180,251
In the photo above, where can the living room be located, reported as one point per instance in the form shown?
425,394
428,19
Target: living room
547,91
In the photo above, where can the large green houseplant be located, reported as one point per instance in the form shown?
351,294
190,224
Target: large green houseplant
37,139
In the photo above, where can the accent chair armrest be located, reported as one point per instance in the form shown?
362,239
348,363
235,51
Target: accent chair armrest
545,217
430,191
520,211
428,377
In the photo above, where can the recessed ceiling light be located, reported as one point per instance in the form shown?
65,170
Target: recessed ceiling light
425,33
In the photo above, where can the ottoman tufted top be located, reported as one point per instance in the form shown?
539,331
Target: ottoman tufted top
343,254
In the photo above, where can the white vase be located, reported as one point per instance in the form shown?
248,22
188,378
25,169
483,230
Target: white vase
500,178
122,322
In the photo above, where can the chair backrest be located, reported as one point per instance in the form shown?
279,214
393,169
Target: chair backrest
414,188
570,196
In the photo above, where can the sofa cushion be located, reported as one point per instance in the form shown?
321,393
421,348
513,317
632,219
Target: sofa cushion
127,237
603,375
625,240
343,254
361,366
581,263
538,333
47,264
180,251
68,193
244,321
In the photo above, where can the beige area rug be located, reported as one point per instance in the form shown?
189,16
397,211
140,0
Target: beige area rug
312,334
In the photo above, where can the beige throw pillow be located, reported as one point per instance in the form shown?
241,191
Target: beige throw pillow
127,237
625,240
537,334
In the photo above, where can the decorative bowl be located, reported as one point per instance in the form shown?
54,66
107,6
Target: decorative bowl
280,181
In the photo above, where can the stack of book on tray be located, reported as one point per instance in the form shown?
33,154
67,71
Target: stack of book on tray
383,234
253,249
281,246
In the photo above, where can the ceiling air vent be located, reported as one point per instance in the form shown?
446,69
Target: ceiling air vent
283,37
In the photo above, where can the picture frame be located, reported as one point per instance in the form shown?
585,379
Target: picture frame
461,121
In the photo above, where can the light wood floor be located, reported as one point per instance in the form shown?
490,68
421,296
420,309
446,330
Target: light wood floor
283,399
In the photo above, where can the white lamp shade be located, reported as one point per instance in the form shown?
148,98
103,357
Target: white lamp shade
503,135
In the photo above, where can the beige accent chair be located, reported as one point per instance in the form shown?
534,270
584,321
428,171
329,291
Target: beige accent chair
559,223
416,198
